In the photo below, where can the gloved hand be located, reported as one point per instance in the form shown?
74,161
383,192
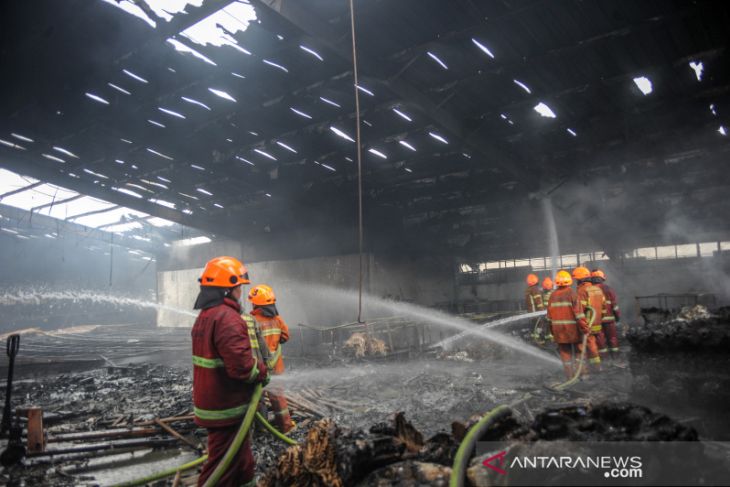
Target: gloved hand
266,381
264,377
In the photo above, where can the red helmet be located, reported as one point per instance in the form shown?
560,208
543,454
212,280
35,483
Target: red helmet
547,284
532,279
224,272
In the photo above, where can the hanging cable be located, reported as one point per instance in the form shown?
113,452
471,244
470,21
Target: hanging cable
359,163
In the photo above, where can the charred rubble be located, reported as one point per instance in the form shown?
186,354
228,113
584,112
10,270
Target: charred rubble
682,359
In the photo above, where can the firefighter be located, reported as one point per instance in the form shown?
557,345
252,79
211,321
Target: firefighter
225,368
533,296
563,314
592,304
274,332
547,288
612,314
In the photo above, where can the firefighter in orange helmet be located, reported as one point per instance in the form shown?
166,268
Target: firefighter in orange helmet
592,302
612,314
563,313
274,332
225,368
533,296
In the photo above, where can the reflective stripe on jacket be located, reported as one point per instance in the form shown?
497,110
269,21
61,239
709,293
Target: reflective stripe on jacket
612,309
274,331
591,297
561,313
225,369
533,299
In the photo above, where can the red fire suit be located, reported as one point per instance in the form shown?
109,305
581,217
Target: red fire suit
275,332
592,303
611,317
225,372
533,299
567,322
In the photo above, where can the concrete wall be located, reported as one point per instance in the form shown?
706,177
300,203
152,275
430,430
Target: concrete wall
321,290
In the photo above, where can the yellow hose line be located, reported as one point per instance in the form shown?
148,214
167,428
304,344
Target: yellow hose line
578,371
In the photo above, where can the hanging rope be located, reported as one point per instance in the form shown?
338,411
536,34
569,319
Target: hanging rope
359,163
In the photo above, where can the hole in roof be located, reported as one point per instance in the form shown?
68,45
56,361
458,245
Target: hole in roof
365,122
245,160
184,49
522,85
300,113
713,109
544,110
163,179
171,70
160,154
126,141
365,90
722,130
193,101
403,115
128,192
12,145
119,161
311,51
407,145
438,137
21,137
377,153
65,151
217,205
189,196
571,132
348,159
167,9
698,68
280,37
97,98
265,154
253,133
119,88
229,140
53,158
134,76
327,166
506,119
164,203
171,112
238,75
268,194
644,84
277,66
204,191
158,124
199,168
139,187
154,183
468,156
329,102
98,175
222,94
289,148
342,134
437,59
218,29
483,48
131,8
408,169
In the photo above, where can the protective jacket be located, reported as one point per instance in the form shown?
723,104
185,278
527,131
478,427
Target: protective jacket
612,312
274,331
533,299
591,299
225,370
565,315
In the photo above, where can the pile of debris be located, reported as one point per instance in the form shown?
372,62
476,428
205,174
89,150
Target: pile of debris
397,454
683,360
362,345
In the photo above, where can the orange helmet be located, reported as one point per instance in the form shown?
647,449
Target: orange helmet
581,273
262,295
547,284
224,272
532,279
563,279
598,273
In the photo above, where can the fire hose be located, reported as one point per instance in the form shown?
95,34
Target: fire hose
251,413
592,313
